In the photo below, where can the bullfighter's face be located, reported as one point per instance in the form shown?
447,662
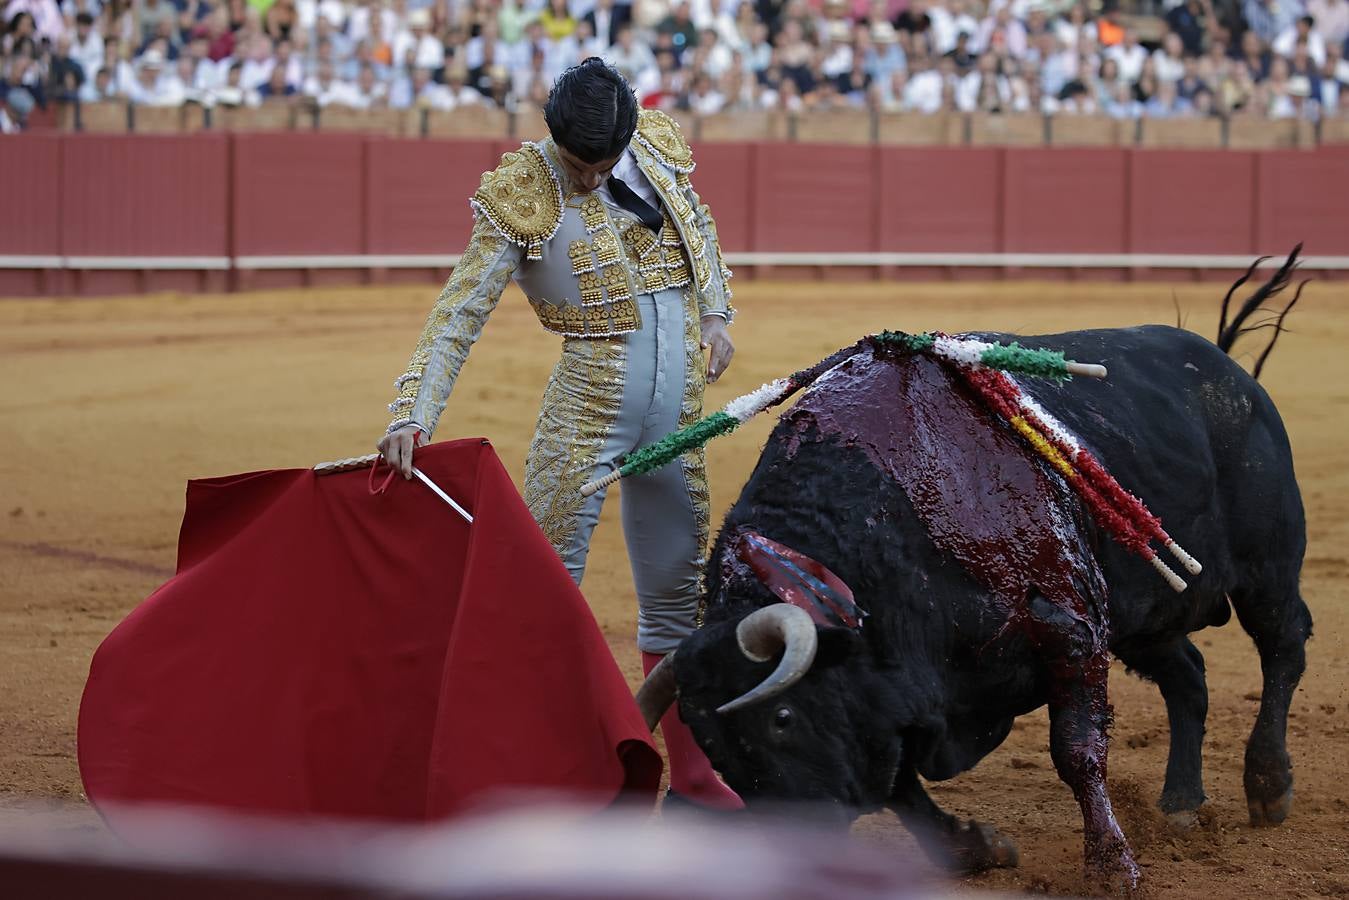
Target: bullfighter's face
815,746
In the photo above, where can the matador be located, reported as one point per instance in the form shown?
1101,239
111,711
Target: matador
601,228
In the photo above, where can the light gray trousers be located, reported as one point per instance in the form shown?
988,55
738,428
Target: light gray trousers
606,398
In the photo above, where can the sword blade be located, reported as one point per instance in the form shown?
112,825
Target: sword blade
441,494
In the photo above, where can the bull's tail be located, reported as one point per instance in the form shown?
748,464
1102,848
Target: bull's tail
1230,332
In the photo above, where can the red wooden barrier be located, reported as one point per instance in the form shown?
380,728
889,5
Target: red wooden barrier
811,197
350,196
140,195
722,181
1191,201
30,215
1065,201
1302,196
416,193
298,194
947,201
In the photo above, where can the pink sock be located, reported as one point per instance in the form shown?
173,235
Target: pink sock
691,775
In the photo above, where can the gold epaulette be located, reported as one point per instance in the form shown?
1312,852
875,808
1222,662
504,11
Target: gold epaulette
660,135
522,199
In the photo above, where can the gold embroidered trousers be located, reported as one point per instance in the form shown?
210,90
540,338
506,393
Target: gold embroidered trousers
608,397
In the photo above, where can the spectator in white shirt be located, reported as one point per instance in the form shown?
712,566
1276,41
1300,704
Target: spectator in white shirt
369,92
342,45
1074,27
417,45
151,87
87,46
47,20
99,88
1000,31
948,22
460,92
924,90
326,90
836,50
310,11
1302,30
1332,20
1129,56
983,88
487,49
258,62
232,93
182,79
358,21
286,58
632,58
1167,61
1333,81
414,88
705,99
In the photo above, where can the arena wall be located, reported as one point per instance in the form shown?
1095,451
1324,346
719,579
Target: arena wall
97,214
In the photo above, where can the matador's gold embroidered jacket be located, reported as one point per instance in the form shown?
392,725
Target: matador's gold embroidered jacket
580,265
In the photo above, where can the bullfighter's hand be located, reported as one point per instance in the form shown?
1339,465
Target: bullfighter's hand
718,340
396,447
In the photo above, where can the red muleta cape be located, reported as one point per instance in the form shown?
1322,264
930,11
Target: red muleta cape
325,651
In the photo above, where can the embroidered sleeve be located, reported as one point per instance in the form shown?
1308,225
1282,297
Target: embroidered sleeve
716,299
455,323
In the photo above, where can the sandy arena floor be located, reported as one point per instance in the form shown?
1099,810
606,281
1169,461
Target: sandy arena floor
109,406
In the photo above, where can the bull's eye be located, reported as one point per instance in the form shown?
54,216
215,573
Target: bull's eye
783,717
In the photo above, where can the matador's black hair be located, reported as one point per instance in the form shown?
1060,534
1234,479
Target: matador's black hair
591,111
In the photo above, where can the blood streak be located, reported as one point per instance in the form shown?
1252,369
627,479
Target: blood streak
982,497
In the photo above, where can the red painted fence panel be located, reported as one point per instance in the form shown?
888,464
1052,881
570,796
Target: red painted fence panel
1191,201
144,195
1065,201
30,213
816,198
298,194
722,179
219,195
416,193
1302,196
946,201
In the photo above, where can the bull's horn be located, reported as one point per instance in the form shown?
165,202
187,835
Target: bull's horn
657,693
763,633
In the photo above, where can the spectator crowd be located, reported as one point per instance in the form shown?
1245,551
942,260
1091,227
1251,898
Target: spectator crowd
1259,58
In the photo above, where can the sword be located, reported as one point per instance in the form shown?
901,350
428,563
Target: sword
441,494
358,462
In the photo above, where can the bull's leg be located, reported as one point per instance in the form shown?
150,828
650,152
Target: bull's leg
1177,667
1078,665
1078,717
962,847
1280,631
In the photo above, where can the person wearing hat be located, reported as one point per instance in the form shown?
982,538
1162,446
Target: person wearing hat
601,228
150,87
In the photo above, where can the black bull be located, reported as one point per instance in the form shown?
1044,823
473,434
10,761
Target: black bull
932,681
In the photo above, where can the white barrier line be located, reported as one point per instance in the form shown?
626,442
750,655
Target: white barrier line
1028,260
30,262
369,261
824,260
195,263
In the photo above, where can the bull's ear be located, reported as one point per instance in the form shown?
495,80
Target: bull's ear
836,645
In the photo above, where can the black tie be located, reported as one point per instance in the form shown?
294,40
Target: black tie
627,198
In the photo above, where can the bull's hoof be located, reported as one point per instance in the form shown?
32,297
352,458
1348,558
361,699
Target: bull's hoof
977,847
1182,819
1181,811
1118,875
1268,813
1110,865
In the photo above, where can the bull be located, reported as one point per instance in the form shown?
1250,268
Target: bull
989,591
